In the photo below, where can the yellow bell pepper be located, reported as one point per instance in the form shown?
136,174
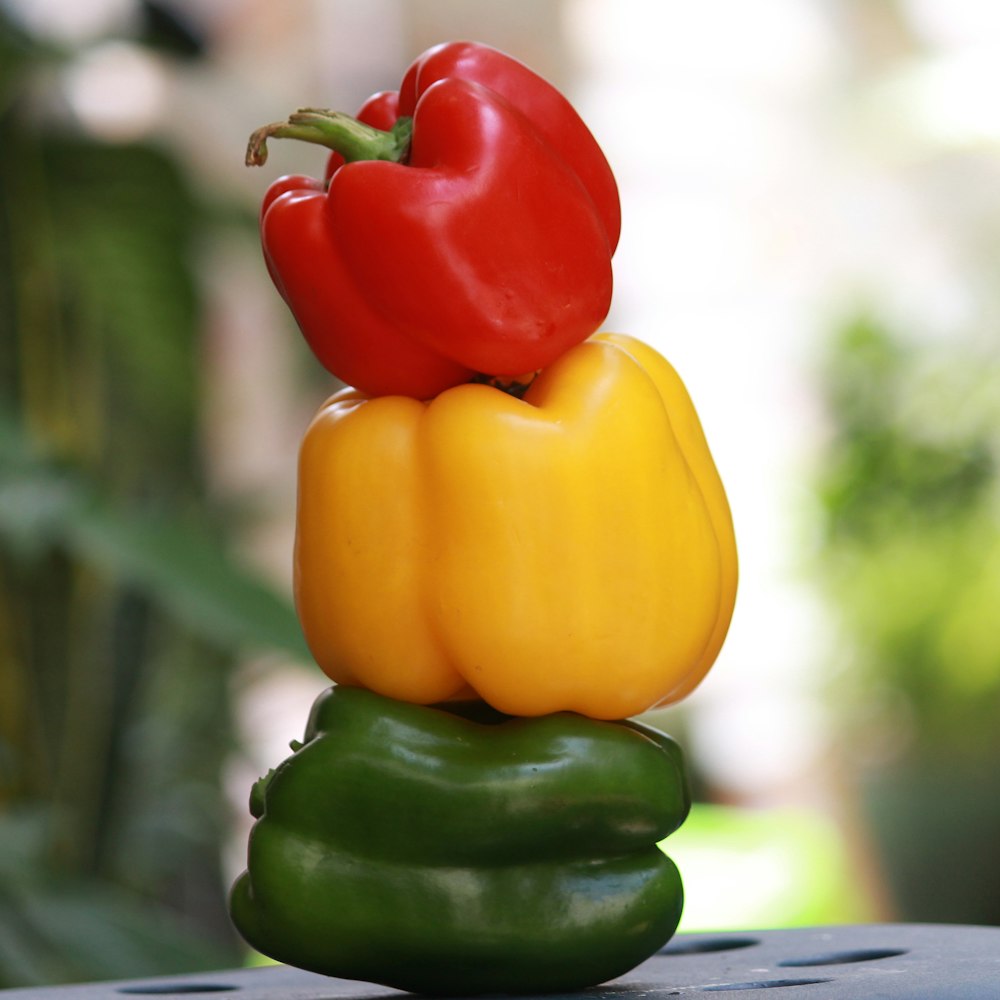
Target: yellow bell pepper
571,550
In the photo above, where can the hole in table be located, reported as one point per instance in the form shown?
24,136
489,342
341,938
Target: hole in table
843,957
166,989
707,945
763,984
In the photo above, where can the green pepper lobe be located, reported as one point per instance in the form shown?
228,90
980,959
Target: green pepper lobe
418,848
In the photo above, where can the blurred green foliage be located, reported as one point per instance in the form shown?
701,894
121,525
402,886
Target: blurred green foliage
909,489
121,608
910,493
778,867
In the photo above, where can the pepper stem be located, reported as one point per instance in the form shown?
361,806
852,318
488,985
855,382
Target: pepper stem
353,139
513,385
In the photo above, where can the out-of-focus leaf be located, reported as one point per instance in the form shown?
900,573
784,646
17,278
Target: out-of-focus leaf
184,567
23,833
165,28
125,227
189,571
66,929
85,930
25,959
103,932
15,57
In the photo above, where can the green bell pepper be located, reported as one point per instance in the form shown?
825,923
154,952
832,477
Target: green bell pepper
459,851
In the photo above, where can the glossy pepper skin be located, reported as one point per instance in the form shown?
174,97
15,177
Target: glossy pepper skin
486,249
569,551
412,847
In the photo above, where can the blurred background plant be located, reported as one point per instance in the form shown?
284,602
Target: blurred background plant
909,556
122,610
153,392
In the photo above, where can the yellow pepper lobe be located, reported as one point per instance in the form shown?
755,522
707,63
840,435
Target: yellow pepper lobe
571,550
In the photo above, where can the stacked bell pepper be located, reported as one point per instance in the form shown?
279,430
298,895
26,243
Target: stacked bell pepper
511,538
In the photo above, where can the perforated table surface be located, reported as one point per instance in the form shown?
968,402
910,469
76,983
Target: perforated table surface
863,962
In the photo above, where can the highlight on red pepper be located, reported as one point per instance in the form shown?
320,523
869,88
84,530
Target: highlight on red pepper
466,226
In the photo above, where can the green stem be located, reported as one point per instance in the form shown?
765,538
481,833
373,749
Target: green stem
354,140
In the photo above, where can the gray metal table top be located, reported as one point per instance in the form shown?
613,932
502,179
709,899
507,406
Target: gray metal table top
861,962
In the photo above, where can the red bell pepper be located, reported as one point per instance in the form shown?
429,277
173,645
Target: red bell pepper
466,225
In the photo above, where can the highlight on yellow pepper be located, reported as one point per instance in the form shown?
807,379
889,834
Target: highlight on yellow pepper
571,550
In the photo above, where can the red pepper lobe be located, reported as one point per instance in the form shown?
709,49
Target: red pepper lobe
485,247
